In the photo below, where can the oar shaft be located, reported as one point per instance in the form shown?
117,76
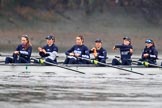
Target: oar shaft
63,67
104,64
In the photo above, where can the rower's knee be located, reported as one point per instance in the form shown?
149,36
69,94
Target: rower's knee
8,60
115,62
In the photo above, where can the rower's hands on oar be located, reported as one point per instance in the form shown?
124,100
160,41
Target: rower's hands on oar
94,50
73,54
114,48
131,51
16,52
41,50
145,55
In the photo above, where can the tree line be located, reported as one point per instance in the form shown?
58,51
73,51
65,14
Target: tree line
151,9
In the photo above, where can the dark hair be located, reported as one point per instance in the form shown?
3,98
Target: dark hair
153,44
28,41
81,37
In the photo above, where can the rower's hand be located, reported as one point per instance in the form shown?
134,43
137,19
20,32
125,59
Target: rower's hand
93,49
16,52
95,54
114,48
76,55
145,55
71,54
131,51
40,49
44,51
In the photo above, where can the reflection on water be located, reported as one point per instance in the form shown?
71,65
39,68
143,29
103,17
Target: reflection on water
40,90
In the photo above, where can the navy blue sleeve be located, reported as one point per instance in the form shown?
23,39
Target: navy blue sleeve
103,55
18,48
124,46
55,48
154,54
26,53
70,50
85,52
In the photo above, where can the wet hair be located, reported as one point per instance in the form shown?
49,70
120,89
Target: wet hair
81,37
28,44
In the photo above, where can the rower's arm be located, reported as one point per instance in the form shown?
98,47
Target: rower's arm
27,52
85,54
154,55
69,51
104,55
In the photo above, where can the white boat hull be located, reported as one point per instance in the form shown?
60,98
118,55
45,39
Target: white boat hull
86,70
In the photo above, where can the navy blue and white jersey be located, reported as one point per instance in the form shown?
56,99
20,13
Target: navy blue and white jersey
101,54
82,50
23,52
125,51
153,53
51,51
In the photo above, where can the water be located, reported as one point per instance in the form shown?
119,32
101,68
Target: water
51,90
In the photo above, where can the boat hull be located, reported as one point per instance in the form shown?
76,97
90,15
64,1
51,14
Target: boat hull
85,69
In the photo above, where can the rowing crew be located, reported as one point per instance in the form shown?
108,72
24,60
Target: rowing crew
49,52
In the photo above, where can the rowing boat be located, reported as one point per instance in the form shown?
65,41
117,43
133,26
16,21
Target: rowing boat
86,68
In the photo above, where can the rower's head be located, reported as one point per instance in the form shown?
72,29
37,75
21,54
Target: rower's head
50,39
79,40
149,43
126,40
98,43
25,39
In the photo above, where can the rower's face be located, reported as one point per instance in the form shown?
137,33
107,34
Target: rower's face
23,40
50,41
78,41
98,45
126,42
148,45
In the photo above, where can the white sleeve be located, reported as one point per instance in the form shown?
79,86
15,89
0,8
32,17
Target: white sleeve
52,55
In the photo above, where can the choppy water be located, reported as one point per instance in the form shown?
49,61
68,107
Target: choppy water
50,90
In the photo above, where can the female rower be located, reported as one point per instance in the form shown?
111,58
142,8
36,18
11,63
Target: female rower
78,50
150,53
99,53
49,51
22,53
126,51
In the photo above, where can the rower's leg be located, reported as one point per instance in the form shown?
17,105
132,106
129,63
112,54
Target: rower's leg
22,60
126,62
8,60
50,61
72,61
115,62
66,61
15,58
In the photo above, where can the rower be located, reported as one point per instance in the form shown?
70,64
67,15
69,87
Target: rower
22,53
99,53
149,54
49,51
126,51
78,50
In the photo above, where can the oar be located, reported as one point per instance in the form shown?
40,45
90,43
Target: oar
105,64
60,66
147,64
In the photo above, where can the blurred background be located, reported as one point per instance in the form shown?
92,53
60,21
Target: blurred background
109,20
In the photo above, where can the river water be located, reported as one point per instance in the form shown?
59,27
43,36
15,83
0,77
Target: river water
51,90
